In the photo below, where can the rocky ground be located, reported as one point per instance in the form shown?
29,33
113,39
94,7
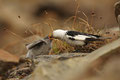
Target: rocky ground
51,67
96,65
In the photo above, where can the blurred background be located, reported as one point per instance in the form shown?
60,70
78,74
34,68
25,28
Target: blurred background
20,19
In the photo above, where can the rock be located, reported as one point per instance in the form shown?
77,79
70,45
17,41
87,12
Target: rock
22,69
74,67
61,57
5,66
7,61
25,66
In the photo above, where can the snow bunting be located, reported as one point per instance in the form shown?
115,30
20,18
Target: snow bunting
75,38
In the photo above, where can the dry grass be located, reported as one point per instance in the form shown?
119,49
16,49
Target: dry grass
74,23
61,47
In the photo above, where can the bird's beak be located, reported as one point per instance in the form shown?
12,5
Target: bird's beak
50,36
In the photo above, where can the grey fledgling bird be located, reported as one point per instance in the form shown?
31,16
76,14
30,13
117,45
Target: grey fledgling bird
40,47
117,13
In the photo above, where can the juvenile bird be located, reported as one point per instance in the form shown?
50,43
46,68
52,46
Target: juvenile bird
40,47
75,38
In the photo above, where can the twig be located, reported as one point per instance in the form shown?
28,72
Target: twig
75,17
16,35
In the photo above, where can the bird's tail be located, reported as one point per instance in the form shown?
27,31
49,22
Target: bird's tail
98,39
103,38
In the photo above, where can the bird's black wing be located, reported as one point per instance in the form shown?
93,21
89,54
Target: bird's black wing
75,33
97,36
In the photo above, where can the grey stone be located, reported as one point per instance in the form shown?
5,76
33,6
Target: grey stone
68,69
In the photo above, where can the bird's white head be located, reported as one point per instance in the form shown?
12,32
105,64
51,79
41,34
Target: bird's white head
59,33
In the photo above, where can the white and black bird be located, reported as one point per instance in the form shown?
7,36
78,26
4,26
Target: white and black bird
40,47
75,38
117,12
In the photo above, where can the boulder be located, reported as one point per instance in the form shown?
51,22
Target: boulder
80,68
